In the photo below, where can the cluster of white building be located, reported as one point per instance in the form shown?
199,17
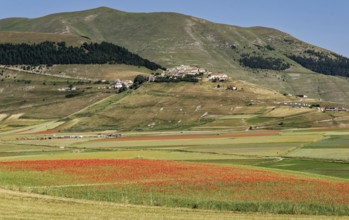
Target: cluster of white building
297,104
67,89
118,84
184,70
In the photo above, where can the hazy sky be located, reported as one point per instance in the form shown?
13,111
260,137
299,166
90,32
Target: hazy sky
321,22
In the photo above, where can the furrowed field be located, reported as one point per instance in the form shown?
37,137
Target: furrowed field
179,184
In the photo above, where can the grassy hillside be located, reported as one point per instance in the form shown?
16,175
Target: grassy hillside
27,98
33,96
171,39
32,37
201,106
26,91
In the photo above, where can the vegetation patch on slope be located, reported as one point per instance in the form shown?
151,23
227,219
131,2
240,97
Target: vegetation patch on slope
50,53
335,65
259,62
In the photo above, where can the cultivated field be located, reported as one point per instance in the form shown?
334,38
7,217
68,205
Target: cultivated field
18,205
263,171
178,184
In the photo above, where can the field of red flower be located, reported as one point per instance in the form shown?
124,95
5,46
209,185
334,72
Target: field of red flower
179,184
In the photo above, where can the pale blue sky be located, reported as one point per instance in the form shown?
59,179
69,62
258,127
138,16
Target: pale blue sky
320,22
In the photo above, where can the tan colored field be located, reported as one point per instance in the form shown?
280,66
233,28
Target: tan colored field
250,109
14,117
99,72
17,205
287,111
130,154
3,116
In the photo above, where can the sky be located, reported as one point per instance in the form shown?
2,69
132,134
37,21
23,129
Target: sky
320,22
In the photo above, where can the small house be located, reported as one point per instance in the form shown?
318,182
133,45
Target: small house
217,77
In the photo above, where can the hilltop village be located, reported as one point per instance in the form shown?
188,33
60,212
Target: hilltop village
183,72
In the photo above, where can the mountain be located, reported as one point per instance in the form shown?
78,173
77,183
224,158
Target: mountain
171,39
265,65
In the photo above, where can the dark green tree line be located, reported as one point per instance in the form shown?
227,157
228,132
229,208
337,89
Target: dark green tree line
259,62
49,53
321,63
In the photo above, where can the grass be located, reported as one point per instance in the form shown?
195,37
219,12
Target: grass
264,149
236,117
31,37
323,147
331,153
332,141
98,72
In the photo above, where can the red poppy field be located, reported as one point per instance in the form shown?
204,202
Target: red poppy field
179,184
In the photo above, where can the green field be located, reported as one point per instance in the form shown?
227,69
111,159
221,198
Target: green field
337,169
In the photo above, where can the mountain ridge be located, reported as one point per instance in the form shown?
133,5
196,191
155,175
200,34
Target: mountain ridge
173,39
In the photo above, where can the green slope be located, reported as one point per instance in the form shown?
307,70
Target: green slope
16,37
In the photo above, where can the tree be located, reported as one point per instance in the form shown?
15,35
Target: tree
49,53
138,81
259,62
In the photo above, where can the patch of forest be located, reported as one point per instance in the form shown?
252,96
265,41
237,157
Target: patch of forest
260,62
335,65
49,53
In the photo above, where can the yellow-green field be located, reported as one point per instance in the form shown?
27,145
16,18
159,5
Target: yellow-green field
261,148
17,205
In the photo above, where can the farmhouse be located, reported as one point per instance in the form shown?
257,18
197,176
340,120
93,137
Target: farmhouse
232,88
336,109
302,96
109,135
67,89
151,77
217,76
118,84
